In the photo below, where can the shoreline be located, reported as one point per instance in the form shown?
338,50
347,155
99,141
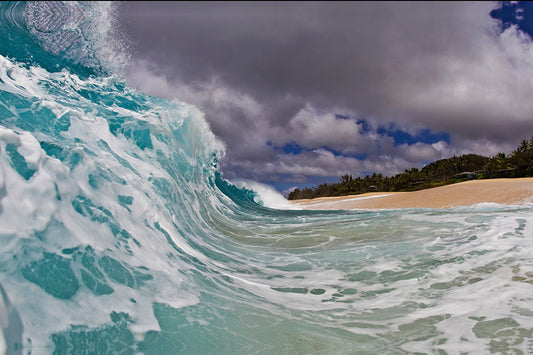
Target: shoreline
509,191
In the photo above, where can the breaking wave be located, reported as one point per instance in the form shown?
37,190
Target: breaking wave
119,234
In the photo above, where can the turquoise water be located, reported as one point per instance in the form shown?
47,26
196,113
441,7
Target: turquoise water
119,235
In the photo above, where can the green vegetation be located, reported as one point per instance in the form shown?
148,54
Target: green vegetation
442,172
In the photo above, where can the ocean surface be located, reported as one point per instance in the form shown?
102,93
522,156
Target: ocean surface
118,234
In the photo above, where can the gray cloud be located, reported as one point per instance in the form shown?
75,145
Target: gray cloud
278,72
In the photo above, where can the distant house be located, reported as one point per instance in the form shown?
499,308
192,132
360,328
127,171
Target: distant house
417,182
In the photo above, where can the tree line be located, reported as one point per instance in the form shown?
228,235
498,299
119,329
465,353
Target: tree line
519,163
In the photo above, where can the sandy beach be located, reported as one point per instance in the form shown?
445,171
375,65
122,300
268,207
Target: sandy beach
502,191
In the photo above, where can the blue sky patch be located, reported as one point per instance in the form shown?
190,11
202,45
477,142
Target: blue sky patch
515,14
289,148
342,117
364,126
423,136
295,148
292,148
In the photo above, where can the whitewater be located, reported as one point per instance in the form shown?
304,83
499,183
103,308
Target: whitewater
119,234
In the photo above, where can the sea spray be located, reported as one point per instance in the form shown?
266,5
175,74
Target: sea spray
266,195
119,234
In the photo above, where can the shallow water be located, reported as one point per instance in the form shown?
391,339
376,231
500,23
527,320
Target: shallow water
118,234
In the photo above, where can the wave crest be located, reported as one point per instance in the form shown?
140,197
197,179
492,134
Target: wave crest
80,36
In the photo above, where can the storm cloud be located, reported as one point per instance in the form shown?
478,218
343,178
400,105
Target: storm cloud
299,90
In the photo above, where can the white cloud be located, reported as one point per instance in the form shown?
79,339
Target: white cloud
420,152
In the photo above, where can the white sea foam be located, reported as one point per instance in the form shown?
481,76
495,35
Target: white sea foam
268,196
4,323
31,205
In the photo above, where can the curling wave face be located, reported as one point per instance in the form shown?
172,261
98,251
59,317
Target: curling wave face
55,35
118,233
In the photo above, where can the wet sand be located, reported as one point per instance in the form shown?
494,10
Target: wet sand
501,191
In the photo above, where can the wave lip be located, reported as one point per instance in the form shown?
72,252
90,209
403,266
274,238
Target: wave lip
53,24
79,36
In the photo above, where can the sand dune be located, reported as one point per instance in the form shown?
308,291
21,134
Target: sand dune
502,191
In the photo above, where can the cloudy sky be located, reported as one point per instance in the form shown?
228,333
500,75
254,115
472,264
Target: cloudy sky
304,92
